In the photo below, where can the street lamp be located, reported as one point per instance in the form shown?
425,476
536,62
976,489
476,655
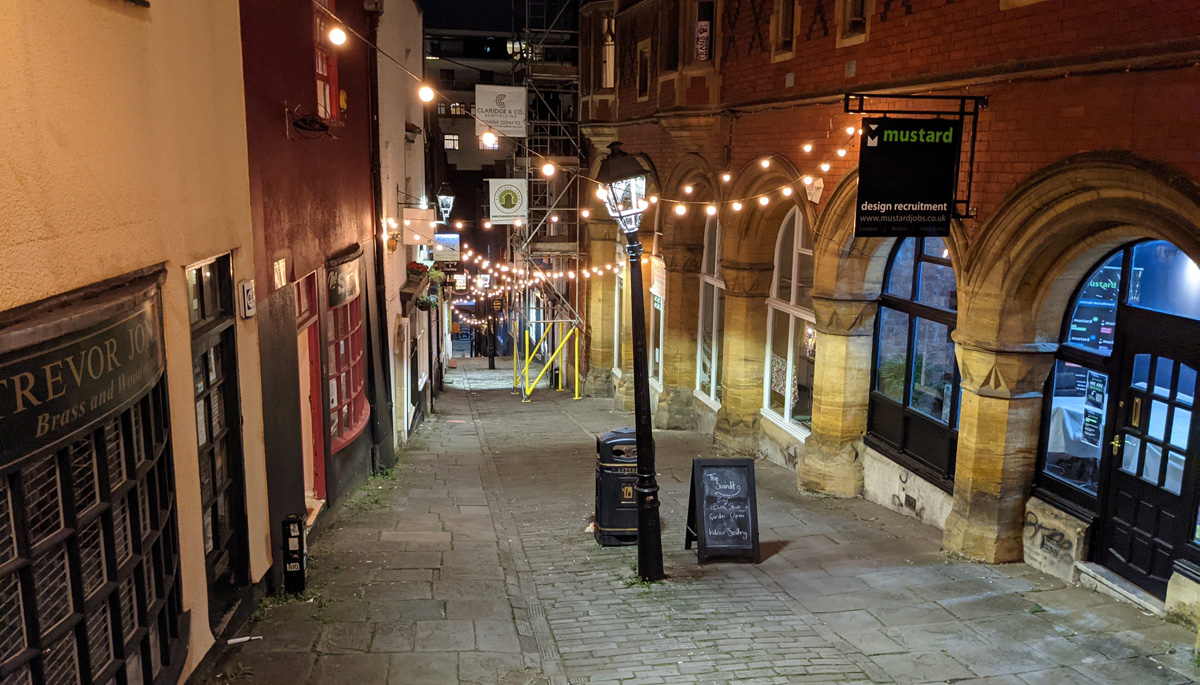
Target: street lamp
445,198
623,178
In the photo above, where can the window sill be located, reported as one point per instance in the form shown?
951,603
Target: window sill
343,440
656,384
617,373
796,430
708,402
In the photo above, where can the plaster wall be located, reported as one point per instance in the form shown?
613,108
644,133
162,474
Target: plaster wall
126,148
891,485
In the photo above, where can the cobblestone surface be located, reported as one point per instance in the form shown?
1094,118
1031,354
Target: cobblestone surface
473,566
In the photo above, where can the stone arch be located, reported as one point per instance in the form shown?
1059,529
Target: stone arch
748,235
1050,230
687,230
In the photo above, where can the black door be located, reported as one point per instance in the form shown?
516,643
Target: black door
1150,504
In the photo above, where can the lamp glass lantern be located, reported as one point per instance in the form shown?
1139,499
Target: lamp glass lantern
445,198
624,179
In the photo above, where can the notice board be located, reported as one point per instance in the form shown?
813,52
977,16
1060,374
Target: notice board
907,177
723,510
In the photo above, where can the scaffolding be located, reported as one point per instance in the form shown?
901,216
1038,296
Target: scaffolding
549,242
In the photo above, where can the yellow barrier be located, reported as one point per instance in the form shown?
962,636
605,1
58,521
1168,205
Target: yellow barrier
523,378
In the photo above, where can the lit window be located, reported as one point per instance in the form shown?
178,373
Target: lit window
458,109
710,336
791,337
493,145
326,63
913,414
450,141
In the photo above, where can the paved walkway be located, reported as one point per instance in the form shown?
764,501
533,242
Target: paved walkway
472,565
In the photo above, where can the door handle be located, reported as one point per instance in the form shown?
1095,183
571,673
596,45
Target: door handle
1116,445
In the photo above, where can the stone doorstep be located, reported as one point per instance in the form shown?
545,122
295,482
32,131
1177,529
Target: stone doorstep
1095,577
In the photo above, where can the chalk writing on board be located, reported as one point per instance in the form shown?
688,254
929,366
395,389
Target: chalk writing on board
721,510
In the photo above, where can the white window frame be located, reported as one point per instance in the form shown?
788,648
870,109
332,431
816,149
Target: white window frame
657,335
712,398
618,328
608,53
448,138
801,245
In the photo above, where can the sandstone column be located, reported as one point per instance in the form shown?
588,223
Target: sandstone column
742,354
830,461
601,291
675,408
997,448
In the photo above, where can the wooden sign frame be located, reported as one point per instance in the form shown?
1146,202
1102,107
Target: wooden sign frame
706,551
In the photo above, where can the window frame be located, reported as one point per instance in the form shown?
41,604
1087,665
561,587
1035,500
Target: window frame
796,317
848,35
353,404
451,141
325,56
607,64
893,427
784,34
711,280
644,81
658,309
618,323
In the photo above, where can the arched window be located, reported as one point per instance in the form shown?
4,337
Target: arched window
711,333
913,416
791,338
1119,444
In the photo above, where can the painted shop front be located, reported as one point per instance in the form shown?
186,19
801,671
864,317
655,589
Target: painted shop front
89,541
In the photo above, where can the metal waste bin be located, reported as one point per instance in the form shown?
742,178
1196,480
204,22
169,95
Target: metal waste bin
616,476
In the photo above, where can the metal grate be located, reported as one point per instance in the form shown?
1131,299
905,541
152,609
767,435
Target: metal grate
43,503
8,541
129,623
18,677
62,662
99,631
12,623
83,473
124,542
52,582
139,441
143,493
91,558
116,453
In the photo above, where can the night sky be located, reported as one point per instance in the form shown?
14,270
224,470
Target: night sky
480,15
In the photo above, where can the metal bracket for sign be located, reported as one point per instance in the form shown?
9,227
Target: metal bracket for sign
967,107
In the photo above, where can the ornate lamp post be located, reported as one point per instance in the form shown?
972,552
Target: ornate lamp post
623,178
445,198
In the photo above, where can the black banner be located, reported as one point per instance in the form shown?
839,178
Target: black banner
907,176
71,382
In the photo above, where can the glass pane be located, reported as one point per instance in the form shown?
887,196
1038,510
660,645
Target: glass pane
201,423
892,352
1181,427
936,247
1094,319
1163,370
209,542
937,288
802,372
1158,420
193,293
1129,454
1165,280
784,253
1173,483
214,364
933,370
718,362
1185,390
804,280
712,239
901,276
1151,463
198,374
1141,371
779,361
656,317
704,363
212,305
1077,417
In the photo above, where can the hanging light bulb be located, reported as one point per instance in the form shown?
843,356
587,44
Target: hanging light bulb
687,190
458,225
824,166
653,199
600,194
585,213
426,94
842,152
787,191
391,222
849,130
487,224
807,180
680,210
737,206
766,163
554,218
489,139
711,210
548,169
726,177
808,147
337,36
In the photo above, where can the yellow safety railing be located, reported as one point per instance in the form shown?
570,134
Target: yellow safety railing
521,380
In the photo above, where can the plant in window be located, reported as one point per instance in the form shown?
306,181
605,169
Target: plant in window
417,269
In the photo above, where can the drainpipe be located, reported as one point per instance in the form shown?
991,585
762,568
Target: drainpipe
374,11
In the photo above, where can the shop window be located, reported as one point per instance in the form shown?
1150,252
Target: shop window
791,337
643,70
450,141
711,331
913,415
1162,278
348,407
657,323
326,62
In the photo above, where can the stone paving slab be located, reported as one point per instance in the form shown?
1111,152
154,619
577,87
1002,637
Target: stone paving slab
473,565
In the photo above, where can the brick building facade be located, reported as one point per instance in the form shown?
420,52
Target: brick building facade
784,335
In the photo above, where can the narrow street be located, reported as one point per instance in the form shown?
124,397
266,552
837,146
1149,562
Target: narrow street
471,564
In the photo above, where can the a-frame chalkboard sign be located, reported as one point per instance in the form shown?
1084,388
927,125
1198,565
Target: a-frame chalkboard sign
723,511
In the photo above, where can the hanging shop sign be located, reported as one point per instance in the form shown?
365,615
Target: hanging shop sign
69,383
723,510
500,109
508,199
658,277
460,283
907,176
446,247
344,283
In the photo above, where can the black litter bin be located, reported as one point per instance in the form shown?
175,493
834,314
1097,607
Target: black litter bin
616,476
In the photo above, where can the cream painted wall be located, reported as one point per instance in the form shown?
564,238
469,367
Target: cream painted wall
401,35
126,147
